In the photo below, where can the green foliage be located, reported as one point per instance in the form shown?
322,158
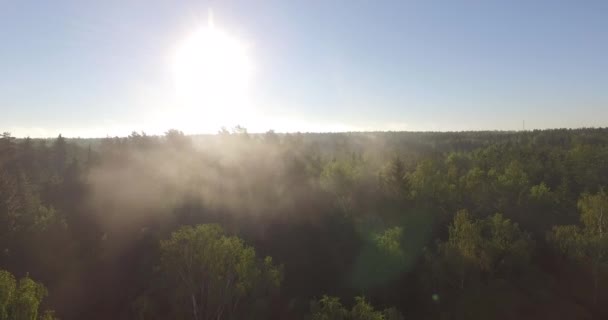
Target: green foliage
27,299
508,249
89,213
540,192
465,235
514,176
393,178
20,300
569,240
544,201
364,311
340,178
589,241
587,245
330,308
8,286
214,272
494,246
382,259
389,241
427,180
594,213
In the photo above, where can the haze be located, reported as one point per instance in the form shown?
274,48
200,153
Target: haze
309,160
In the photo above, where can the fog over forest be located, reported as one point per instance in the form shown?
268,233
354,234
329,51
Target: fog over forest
361,225
303,160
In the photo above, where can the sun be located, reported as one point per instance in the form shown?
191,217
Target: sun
212,71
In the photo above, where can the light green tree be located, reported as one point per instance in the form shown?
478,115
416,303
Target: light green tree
28,298
587,244
8,286
392,314
20,300
428,181
541,193
462,250
330,308
215,273
506,248
494,245
389,241
362,310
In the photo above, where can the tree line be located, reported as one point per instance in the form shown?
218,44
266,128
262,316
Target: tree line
375,225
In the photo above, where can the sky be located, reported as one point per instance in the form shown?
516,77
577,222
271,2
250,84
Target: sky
104,68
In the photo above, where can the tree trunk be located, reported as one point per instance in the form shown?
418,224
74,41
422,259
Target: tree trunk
194,308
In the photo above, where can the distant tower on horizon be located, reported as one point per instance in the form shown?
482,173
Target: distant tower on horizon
523,125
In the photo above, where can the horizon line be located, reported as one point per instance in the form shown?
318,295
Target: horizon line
309,132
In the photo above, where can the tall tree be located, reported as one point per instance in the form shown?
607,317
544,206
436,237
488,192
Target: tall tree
20,300
215,273
588,244
8,286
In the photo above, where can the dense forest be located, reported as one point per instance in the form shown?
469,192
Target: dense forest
378,225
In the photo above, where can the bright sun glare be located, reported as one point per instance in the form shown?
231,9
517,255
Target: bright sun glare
212,71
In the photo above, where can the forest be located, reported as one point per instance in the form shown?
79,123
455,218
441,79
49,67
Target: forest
319,226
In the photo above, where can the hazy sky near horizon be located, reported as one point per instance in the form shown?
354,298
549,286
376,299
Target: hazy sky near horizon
97,68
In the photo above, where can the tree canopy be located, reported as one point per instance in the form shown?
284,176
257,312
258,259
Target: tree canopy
240,225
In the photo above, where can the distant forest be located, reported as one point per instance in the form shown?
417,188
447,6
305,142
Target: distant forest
319,226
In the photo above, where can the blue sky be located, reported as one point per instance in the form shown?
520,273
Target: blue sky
103,67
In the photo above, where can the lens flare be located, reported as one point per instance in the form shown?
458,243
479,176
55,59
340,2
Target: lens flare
212,72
